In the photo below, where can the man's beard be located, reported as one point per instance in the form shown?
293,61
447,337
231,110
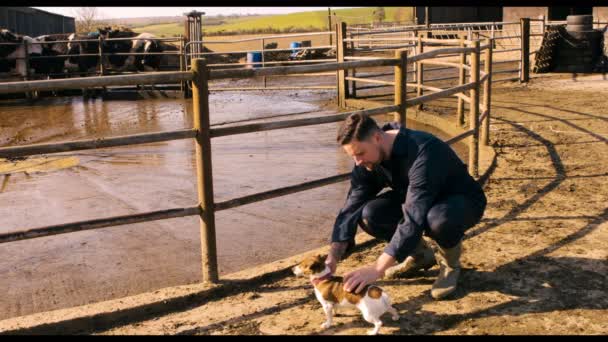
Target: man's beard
382,157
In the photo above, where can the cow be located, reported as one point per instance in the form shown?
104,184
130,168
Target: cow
146,43
52,45
8,44
13,54
116,46
84,44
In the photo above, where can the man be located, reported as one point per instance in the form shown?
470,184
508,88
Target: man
432,193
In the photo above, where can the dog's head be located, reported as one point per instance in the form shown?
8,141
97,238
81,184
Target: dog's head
309,266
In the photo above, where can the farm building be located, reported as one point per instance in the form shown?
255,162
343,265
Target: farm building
34,22
465,14
458,14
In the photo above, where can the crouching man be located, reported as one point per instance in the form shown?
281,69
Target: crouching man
431,193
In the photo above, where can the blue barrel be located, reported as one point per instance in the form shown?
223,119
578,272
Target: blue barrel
294,45
253,57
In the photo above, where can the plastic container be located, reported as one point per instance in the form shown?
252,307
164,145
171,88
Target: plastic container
295,45
253,57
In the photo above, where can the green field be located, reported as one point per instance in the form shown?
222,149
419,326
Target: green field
294,22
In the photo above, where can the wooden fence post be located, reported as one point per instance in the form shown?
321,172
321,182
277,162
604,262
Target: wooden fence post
263,61
474,113
401,86
101,69
340,49
419,69
182,65
525,50
26,62
461,75
353,91
487,93
200,101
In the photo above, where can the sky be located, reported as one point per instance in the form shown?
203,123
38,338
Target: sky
135,12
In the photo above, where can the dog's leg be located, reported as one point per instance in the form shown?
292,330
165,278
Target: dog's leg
328,308
377,325
393,312
372,319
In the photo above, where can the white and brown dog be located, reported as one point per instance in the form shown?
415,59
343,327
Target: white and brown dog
372,301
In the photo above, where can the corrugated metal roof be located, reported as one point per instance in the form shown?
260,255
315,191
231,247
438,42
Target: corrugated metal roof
34,22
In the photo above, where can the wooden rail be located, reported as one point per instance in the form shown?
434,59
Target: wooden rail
89,144
203,133
90,82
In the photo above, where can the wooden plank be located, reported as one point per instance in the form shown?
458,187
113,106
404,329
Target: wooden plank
90,82
267,126
303,69
340,53
98,223
438,52
367,80
89,144
419,69
525,50
237,202
440,94
204,170
474,113
270,88
487,96
459,137
461,75
401,86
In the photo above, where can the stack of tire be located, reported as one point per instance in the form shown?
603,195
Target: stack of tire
580,47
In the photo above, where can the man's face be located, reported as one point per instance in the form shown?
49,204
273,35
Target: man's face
367,152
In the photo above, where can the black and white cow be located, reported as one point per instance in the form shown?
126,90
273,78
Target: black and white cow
147,44
13,54
52,45
84,50
80,49
8,44
116,46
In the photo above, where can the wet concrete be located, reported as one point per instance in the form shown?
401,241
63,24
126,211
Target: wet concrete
72,269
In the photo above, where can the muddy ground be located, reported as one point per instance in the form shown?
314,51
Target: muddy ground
536,264
79,268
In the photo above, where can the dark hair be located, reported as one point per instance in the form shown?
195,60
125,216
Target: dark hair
358,127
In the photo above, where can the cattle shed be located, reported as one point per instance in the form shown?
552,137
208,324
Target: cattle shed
34,22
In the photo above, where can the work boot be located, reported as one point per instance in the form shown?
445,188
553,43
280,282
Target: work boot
449,270
422,258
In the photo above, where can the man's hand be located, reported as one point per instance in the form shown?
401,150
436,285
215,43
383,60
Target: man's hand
357,280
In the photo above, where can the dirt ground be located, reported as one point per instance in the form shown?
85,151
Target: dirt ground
536,264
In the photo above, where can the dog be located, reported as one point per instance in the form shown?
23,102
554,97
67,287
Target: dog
372,301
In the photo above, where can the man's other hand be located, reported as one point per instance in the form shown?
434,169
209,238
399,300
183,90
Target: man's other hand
357,280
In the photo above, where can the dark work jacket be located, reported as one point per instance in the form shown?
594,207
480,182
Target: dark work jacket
421,170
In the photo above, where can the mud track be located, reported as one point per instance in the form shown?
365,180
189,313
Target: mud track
536,264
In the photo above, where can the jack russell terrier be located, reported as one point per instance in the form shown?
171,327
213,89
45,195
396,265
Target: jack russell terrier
372,301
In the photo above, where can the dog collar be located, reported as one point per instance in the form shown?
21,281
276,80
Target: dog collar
321,279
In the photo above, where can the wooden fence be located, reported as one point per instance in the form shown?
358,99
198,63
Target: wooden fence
202,133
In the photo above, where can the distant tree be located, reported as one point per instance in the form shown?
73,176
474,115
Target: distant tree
88,19
379,14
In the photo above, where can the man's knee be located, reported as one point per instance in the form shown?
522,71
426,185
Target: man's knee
373,222
444,227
